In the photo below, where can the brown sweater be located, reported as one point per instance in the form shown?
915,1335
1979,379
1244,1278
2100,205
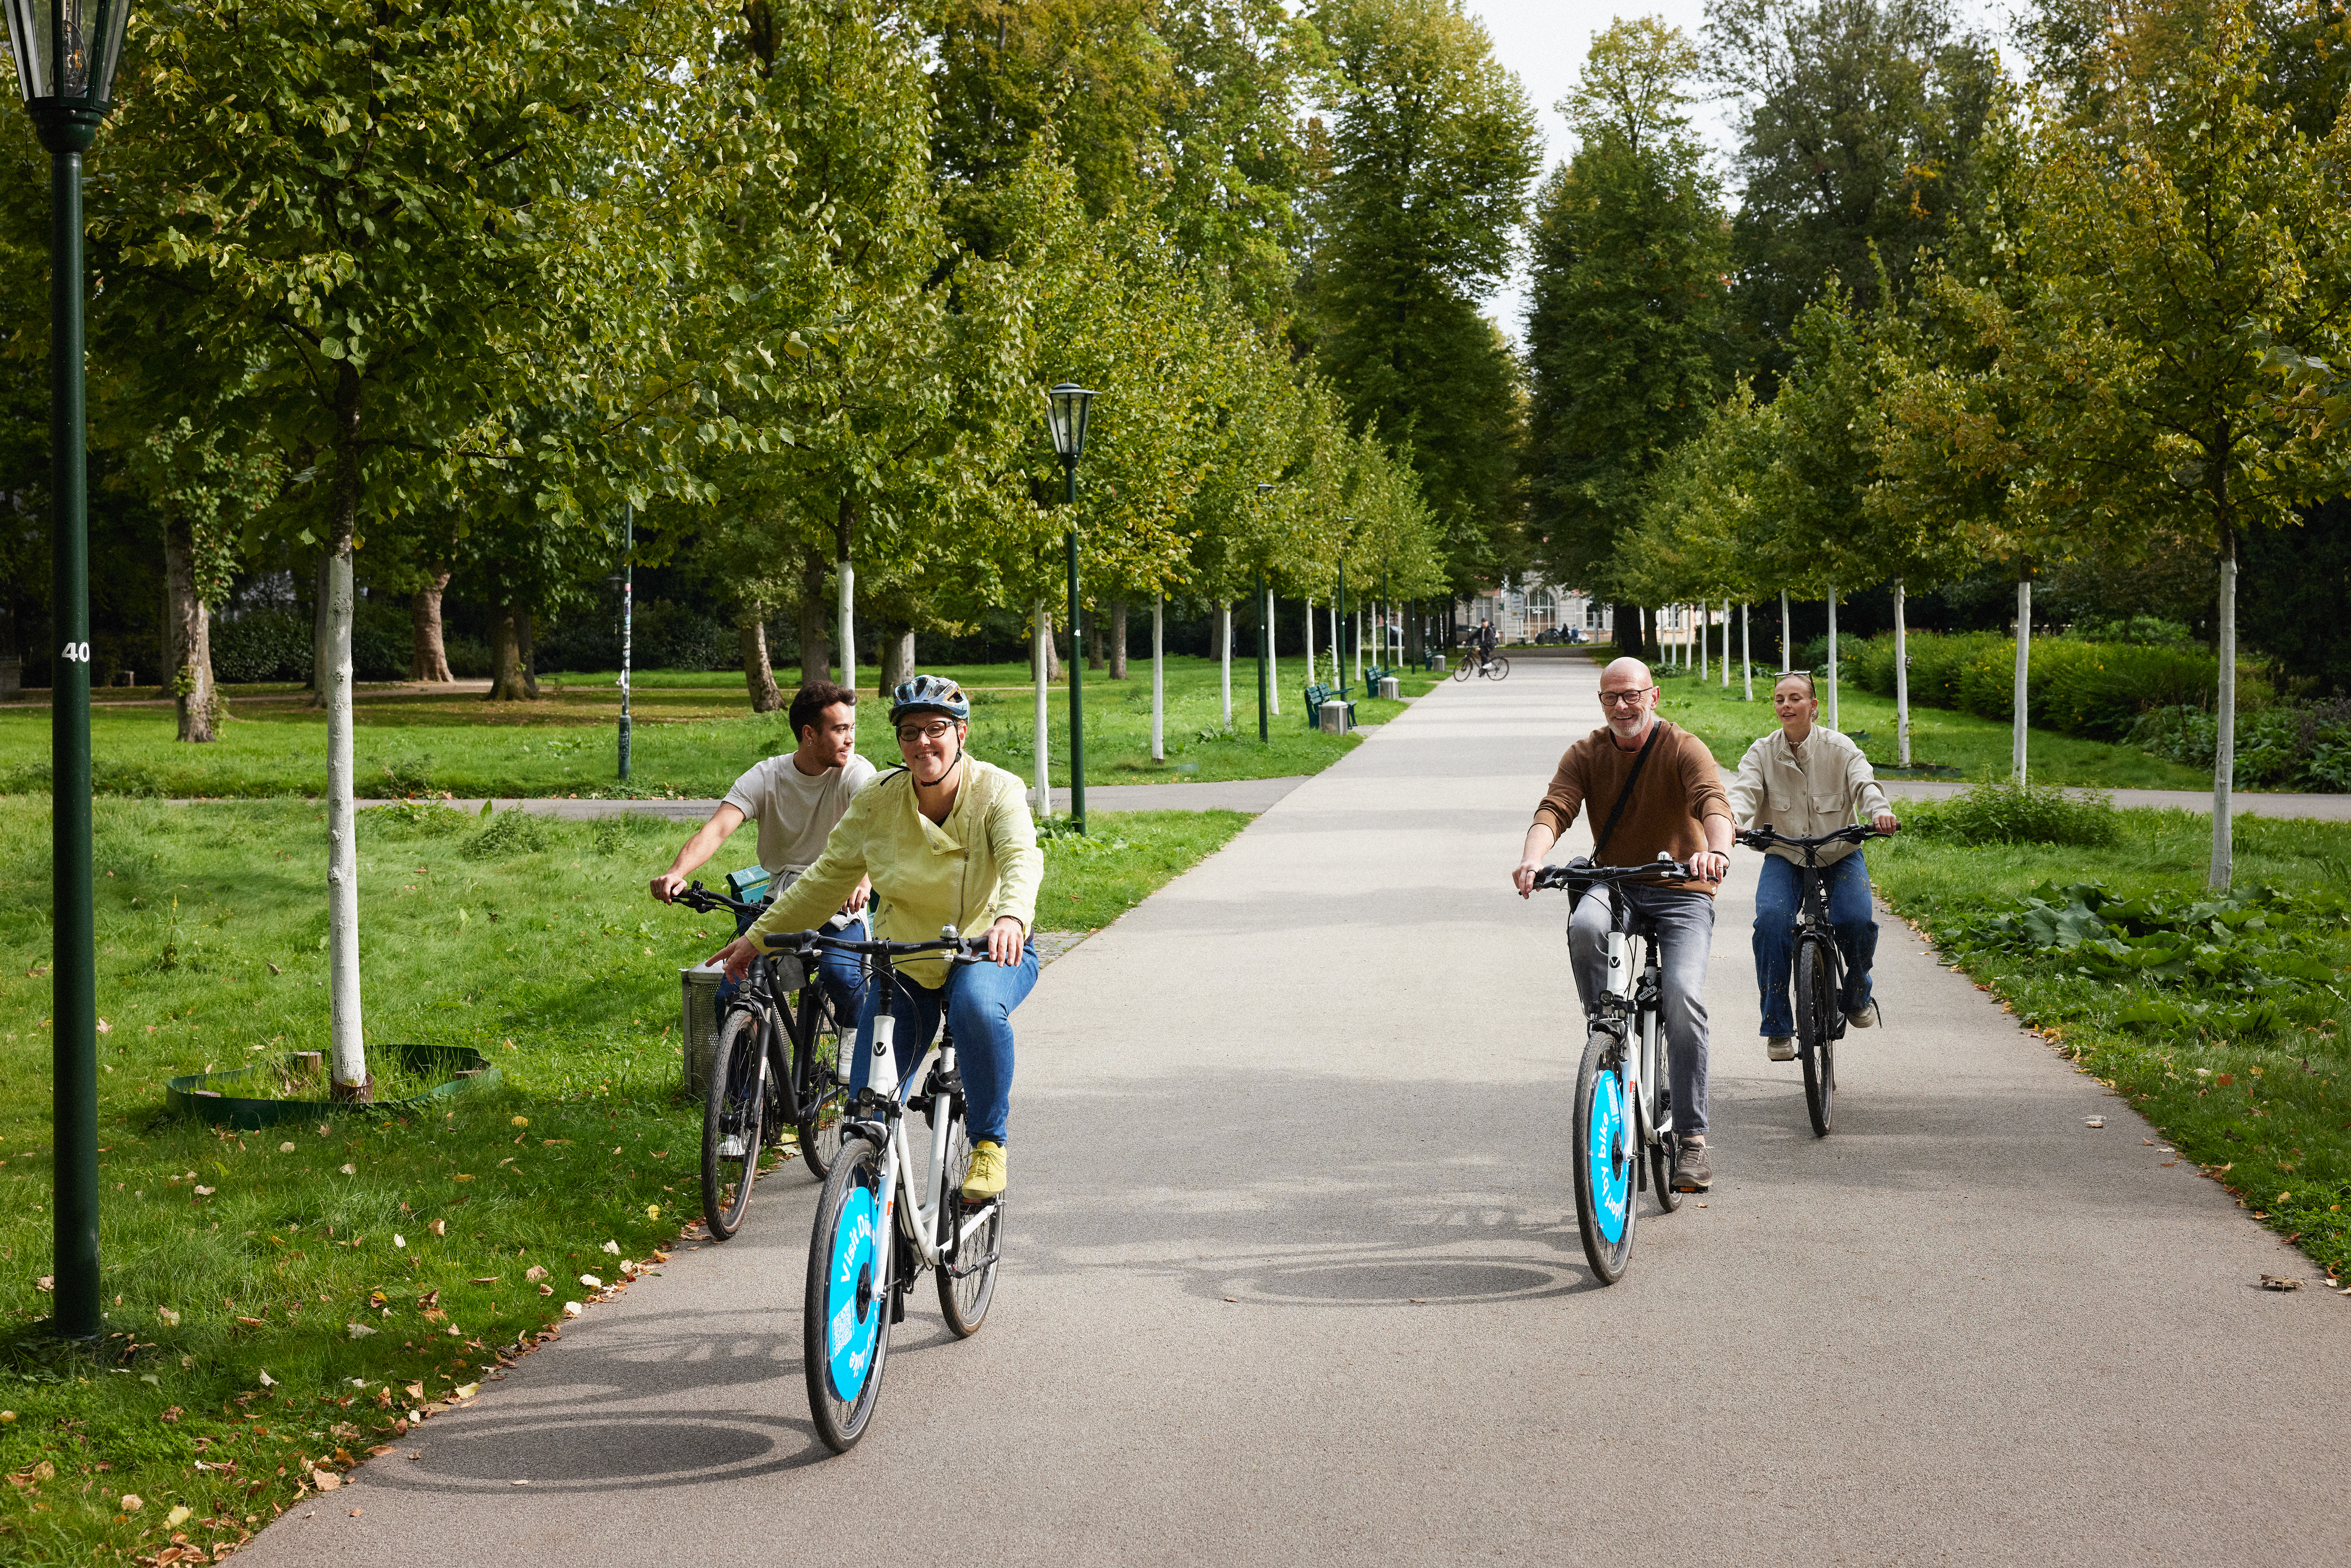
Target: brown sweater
1680,788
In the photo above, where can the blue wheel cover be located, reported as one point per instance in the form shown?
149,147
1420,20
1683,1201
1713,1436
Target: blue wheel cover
847,1337
1612,1181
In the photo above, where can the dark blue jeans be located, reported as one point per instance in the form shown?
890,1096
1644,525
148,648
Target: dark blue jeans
843,975
1779,891
979,999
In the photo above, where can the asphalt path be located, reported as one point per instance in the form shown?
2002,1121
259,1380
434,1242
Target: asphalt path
1292,1276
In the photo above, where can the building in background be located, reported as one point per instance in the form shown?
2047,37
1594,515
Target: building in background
1540,611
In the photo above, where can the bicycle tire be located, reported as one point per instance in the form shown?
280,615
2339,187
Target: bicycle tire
817,1094
1816,1020
845,1321
1660,1091
1461,671
963,1301
1497,668
1604,1162
734,1105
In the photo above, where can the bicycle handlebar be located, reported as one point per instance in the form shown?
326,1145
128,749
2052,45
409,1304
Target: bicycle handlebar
1581,870
1763,836
700,898
804,944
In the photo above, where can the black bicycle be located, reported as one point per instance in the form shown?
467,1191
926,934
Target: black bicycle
1819,985
777,1063
862,1264
1476,662
1623,1121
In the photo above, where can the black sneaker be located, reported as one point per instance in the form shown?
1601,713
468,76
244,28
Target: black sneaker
1691,1173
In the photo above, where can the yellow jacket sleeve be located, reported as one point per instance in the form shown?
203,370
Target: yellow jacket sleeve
1020,864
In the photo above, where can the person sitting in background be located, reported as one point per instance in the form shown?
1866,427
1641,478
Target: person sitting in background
797,800
1805,780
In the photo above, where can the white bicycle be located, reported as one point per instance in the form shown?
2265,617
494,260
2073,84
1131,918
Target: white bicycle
861,1265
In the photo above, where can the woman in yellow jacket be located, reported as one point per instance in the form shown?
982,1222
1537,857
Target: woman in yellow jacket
947,840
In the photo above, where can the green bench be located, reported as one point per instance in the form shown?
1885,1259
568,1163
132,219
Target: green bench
1319,694
1374,676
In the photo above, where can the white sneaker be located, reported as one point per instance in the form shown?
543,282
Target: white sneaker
1867,1018
1782,1047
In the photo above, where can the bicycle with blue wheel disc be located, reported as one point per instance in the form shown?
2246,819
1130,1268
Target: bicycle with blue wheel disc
1623,1122
893,1206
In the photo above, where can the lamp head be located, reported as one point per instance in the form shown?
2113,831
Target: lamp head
1066,408
65,53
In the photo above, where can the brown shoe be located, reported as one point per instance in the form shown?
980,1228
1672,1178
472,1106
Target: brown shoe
1691,1173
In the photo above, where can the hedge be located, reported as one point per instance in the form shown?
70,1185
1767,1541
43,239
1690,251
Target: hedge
2074,687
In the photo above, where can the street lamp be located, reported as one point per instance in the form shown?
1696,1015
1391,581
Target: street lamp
66,53
1066,409
1338,612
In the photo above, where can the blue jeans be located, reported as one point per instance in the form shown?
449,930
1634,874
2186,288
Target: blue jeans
979,999
1779,891
843,975
1682,926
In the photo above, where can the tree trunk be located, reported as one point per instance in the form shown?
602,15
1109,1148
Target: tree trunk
1272,646
1746,659
847,642
1044,616
1698,631
816,653
1225,652
1415,637
350,1078
2225,749
759,677
2024,667
897,659
1040,670
1094,645
1627,628
428,656
1118,639
507,682
1833,662
1901,680
187,627
1725,645
1158,678
1785,651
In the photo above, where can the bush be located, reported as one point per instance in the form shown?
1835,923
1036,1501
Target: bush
2075,686
2292,746
469,657
2003,812
515,832
262,645
671,637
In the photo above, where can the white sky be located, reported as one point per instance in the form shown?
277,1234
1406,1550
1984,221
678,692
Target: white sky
1545,41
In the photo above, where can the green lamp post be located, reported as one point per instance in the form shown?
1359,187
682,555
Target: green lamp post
66,52
1067,407
1264,636
1338,612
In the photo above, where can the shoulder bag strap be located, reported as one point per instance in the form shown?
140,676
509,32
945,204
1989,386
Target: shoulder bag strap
1600,845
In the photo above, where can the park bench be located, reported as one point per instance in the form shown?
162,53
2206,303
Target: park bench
1316,696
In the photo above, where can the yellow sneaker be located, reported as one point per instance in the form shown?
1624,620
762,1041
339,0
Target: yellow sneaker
985,1179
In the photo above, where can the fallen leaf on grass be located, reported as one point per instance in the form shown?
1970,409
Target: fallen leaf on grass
414,1390
573,1309
171,1317
132,1502
268,1380
591,1282
325,1480
485,1280
534,1272
467,1390
439,1228
359,1331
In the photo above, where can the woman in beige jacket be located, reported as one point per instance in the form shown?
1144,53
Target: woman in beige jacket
1805,780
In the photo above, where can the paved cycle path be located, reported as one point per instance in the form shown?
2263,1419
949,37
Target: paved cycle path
1293,1277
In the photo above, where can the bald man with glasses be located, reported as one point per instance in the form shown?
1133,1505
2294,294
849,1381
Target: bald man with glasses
1672,803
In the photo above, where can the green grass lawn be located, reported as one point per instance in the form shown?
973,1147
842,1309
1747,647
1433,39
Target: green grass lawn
229,1256
690,739
2255,1092
1966,745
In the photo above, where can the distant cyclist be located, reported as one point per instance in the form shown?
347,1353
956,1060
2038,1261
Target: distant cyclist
1651,787
796,800
946,841
1807,780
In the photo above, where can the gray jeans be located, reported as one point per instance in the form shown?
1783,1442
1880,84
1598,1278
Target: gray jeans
1683,927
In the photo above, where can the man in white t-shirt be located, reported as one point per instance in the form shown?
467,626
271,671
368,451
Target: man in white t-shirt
795,799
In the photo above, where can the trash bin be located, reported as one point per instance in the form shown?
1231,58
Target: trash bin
698,1030
1331,718
1391,688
